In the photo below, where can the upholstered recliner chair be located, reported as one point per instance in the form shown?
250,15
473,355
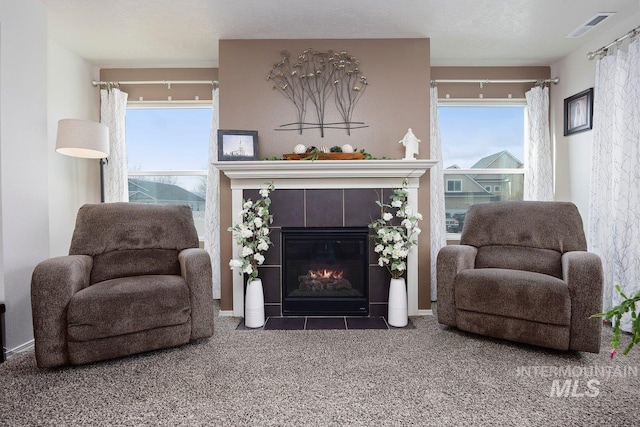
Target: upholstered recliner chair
522,273
134,280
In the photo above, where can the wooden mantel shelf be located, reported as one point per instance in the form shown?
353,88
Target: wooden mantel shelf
327,169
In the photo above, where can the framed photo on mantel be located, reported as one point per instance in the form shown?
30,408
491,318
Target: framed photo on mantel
237,145
578,112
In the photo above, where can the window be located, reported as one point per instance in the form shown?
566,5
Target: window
167,155
482,150
454,185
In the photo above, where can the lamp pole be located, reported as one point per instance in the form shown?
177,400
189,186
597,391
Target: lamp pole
102,163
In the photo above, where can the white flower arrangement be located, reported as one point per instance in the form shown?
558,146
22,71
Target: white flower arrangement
252,234
396,231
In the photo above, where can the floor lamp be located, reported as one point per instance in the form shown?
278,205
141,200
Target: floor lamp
86,139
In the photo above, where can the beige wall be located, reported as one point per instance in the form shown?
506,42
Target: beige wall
183,92
397,98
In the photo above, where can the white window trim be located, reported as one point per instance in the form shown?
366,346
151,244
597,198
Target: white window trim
188,103
482,102
196,172
495,171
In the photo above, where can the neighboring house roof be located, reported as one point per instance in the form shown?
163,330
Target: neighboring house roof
141,190
503,159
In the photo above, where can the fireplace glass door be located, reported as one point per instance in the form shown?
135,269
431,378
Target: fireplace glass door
325,271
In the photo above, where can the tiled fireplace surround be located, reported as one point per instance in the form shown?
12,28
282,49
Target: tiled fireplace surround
334,207
323,194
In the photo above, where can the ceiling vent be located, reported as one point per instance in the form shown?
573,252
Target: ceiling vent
589,25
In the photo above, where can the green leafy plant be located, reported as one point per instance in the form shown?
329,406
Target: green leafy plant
628,305
252,233
315,154
369,156
393,241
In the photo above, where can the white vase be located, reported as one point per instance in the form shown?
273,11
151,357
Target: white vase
254,305
398,315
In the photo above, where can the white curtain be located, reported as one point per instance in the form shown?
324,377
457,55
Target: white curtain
212,209
538,183
438,225
614,205
113,108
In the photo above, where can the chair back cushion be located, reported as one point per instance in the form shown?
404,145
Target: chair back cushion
132,239
529,236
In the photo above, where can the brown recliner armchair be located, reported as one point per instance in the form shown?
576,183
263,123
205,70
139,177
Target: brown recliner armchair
522,273
134,280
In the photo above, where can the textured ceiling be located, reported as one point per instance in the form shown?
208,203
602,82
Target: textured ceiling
185,33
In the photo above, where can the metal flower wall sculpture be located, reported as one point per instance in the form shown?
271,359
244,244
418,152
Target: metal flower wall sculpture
312,79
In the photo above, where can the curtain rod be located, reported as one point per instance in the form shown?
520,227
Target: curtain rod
603,49
157,82
489,81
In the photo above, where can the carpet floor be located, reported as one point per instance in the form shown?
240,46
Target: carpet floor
426,376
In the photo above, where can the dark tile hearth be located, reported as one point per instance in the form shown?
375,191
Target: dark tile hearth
366,323
324,323
285,323
314,323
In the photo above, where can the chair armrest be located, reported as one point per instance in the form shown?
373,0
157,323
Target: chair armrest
53,284
195,267
583,273
451,261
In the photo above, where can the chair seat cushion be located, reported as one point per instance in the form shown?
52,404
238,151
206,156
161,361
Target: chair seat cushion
514,293
127,305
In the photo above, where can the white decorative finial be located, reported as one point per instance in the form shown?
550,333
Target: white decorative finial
410,143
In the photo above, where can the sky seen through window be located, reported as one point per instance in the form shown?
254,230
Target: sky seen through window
469,133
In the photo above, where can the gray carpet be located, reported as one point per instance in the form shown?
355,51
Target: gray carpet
427,376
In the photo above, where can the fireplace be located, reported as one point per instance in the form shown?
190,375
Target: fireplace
303,189
325,271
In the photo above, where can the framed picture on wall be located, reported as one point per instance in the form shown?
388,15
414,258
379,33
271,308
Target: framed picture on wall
578,112
237,144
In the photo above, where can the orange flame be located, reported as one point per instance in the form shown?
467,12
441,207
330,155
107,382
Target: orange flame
326,274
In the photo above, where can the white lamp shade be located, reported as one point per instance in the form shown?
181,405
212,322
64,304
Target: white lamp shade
82,138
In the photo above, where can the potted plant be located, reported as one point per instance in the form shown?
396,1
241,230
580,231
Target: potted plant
252,236
628,305
395,233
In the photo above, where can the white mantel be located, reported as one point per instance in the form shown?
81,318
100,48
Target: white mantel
327,169
307,174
